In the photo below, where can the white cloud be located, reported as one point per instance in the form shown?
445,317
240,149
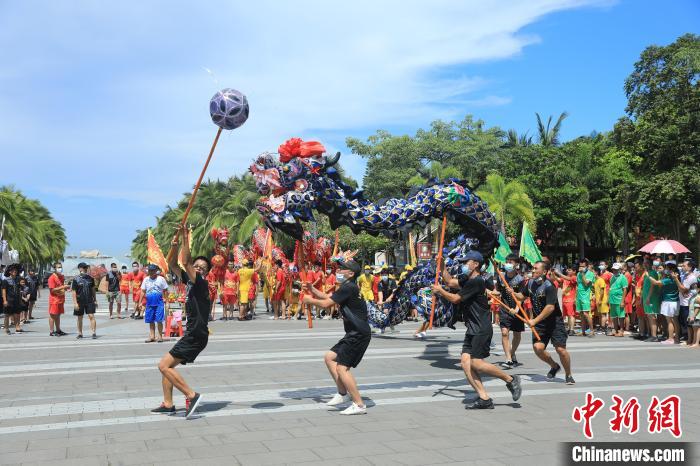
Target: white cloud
98,92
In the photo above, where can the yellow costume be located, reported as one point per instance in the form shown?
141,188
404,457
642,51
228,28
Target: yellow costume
600,290
245,274
365,284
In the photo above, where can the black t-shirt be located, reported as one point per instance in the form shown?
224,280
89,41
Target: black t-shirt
517,282
113,281
197,304
352,307
12,289
84,286
474,305
386,287
542,295
33,284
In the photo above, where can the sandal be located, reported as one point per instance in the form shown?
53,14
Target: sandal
150,340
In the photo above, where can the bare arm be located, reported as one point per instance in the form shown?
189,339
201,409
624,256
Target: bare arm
449,280
451,297
548,309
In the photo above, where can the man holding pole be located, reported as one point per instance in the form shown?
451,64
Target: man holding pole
348,352
474,307
507,321
196,336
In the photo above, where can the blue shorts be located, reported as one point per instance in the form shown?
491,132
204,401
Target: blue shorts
154,314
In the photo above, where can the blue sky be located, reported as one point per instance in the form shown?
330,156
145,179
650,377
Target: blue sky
104,107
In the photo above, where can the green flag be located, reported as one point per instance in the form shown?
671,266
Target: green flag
528,247
503,249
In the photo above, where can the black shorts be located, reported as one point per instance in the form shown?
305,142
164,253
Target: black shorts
509,321
11,309
88,308
188,347
553,331
351,348
477,346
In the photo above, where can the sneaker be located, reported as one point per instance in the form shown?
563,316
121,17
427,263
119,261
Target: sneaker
480,404
517,363
354,409
553,372
338,399
192,404
514,387
507,365
668,342
79,337
53,334
162,409
61,333
94,336
651,340
570,380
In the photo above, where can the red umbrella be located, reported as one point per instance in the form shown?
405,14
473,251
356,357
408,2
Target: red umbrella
664,246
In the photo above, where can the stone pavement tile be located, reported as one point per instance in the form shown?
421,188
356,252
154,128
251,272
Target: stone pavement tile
228,450
556,434
106,449
300,443
539,460
470,453
366,437
140,435
338,462
322,430
45,444
256,436
83,431
87,461
36,455
181,442
428,443
174,455
205,430
483,462
277,457
411,458
352,451
390,424
13,445
277,424
222,461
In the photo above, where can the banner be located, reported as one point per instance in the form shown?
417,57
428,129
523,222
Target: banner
155,255
503,249
528,247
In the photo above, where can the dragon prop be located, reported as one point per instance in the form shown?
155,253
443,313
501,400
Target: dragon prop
303,179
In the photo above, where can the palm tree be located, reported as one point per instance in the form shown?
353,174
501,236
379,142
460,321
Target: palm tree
508,201
30,228
549,137
514,139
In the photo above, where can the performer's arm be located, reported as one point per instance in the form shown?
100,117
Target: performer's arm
449,280
548,309
186,254
451,297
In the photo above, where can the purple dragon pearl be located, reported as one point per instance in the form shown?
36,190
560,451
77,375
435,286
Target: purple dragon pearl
228,109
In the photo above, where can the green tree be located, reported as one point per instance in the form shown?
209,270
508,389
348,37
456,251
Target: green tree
663,130
30,228
508,201
549,135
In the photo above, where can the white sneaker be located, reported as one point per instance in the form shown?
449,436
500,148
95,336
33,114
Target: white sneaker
339,399
354,409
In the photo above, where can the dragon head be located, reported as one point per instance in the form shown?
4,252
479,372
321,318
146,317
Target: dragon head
286,184
220,236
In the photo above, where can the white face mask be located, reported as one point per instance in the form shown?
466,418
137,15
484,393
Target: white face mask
59,269
328,272
509,267
657,263
135,269
385,277
601,267
340,277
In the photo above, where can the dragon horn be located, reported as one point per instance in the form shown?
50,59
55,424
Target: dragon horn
332,160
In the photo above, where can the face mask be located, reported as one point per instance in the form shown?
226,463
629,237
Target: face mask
539,280
509,267
656,263
59,269
465,270
601,267
135,269
328,271
385,277
340,277
114,270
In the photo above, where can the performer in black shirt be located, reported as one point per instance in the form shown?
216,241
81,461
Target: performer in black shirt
196,335
348,352
507,321
476,315
547,320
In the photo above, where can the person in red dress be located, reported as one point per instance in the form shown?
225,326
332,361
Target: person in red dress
376,278
629,295
253,292
229,298
329,286
278,289
57,299
136,277
125,286
213,293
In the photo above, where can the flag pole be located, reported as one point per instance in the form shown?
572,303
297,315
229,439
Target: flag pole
171,252
437,269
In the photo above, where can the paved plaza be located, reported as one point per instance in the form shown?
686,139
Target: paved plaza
65,401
